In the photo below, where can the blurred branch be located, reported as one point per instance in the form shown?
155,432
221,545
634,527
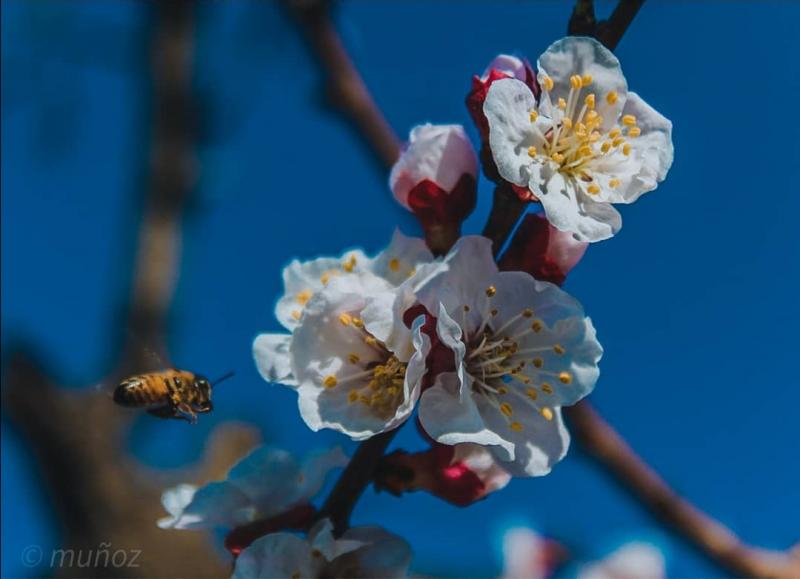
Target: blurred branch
713,539
598,437
78,437
344,86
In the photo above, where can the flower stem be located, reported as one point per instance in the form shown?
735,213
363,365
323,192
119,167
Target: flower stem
507,209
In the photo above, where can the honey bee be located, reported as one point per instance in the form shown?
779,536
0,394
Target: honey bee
168,393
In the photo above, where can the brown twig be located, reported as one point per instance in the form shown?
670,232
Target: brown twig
713,539
610,31
599,438
343,84
506,210
101,497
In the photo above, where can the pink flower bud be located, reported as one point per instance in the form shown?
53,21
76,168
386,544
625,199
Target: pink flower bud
542,250
460,474
436,174
503,66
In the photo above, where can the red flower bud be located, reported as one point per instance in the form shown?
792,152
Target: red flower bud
542,250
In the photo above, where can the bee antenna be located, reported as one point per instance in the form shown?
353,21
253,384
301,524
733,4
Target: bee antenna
223,378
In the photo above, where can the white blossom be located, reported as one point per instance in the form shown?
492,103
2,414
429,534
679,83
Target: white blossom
266,482
522,349
359,552
586,144
636,560
303,280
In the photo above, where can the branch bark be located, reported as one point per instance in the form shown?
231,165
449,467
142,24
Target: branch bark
713,539
599,439
78,437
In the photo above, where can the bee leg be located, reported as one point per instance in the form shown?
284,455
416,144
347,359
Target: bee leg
187,413
163,412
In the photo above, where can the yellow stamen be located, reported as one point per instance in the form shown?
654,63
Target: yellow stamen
605,147
617,141
491,291
537,326
352,396
562,104
358,323
626,149
586,80
614,133
613,183
557,157
537,362
612,97
567,122
628,120
303,297
594,189
575,81
532,393
531,151
590,102
547,388
394,264
350,264
516,426
534,115
330,381
506,409
559,349
527,313
565,378
353,358
345,319
634,132
296,314
547,83
547,413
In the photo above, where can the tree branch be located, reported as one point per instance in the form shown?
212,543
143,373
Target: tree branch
713,539
78,437
599,438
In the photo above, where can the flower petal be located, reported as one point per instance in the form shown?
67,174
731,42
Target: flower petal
450,418
270,478
271,353
175,501
277,555
316,468
400,260
508,105
382,556
579,55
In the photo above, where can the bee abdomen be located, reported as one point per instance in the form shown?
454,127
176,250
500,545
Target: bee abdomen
137,392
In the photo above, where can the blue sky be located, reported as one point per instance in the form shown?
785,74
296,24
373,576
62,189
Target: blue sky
694,301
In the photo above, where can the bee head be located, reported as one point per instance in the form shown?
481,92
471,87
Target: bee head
204,388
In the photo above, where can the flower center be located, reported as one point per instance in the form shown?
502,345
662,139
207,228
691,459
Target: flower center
577,140
376,382
506,368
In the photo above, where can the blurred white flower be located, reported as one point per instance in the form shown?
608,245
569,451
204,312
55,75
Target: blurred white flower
265,483
528,555
635,560
359,552
585,144
522,349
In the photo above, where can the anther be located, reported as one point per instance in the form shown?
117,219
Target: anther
586,79
547,83
303,297
617,141
634,132
575,81
559,349
353,358
613,183
626,149
466,308
516,426
612,97
565,378
527,313
557,157
352,396
614,133
533,116
537,362
330,381
491,291
567,122
345,319
532,393
605,147
594,189
628,120
590,101
394,264
296,314
493,311
547,413
349,264
506,409
547,388
531,151
537,326
562,104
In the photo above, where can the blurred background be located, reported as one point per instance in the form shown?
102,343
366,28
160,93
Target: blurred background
695,300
